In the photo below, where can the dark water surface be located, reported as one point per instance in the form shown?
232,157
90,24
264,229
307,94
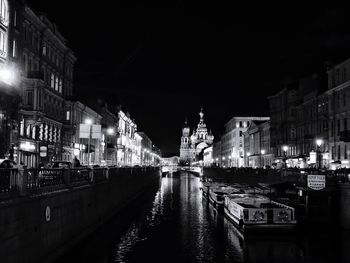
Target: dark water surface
174,224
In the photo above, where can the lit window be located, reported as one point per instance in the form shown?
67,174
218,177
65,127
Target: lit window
15,19
14,48
3,12
52,80
56,83
44,50
67,115
2,43
60,86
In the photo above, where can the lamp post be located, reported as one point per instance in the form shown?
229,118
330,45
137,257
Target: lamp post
285,149
223,159
110,132
261,157
319,142
89,122
230,161
248,154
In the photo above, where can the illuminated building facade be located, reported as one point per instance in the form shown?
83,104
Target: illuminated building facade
232,141
36,68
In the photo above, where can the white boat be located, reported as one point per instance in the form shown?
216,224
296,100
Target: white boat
252,212
206,186
217,195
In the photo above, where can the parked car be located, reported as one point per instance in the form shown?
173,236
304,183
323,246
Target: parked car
60,164
7,163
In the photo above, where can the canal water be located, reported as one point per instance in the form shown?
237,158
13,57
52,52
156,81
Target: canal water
172,223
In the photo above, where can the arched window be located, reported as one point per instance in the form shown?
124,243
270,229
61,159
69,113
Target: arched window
4,15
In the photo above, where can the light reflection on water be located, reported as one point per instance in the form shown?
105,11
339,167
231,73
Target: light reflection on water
175,224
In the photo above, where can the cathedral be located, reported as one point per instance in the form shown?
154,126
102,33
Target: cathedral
192,146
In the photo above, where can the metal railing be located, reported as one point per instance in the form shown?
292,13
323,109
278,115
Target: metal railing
80,176
38,178
33,181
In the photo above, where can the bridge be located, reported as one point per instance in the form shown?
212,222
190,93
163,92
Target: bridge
174,168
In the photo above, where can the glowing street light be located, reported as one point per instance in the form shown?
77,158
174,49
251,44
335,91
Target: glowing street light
7,75
319,142
88,121
110,131
261,158
285,149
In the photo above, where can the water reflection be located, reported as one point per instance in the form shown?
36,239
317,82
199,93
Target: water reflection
174,224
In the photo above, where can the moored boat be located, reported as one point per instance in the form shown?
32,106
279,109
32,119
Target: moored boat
252,212
206,186
217,195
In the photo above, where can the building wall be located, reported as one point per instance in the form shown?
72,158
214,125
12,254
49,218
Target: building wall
41,68
339,113
232,141
283,119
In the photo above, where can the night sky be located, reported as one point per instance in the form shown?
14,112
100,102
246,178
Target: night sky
163,64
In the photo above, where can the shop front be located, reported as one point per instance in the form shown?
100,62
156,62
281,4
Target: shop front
28,153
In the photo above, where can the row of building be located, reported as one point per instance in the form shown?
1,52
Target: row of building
308,125
40,121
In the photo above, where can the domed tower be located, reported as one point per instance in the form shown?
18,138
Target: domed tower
185,142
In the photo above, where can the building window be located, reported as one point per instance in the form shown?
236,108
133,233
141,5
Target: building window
60,85
339,152
67,115
52,81
14,48
30,98
15,18
44,50
56,83
345,152
21,128
2,43
4,12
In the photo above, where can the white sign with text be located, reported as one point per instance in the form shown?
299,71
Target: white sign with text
316,182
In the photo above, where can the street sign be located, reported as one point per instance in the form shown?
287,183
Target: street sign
316,182
84,131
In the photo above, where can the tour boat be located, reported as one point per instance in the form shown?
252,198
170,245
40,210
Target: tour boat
252,212
206,186
217,195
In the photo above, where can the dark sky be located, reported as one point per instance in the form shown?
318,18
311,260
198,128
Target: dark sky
163,64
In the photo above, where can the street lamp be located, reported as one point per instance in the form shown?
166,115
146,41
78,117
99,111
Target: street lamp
89,122
230,161
110,131
8,75
261,158
285,149
319,142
